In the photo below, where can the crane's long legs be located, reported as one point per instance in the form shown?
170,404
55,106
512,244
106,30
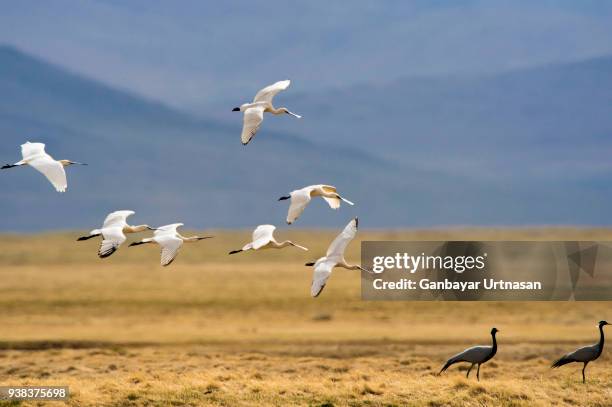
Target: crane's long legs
584,367
467,376
478,373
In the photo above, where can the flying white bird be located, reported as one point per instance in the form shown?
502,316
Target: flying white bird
253,112
263,239
35,156
170,241
334,258
301,197
113,232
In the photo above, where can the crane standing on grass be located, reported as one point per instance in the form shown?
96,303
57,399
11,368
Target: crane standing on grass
585,354
475,355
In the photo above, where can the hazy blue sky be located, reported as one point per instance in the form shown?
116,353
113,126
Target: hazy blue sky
193,54
458,112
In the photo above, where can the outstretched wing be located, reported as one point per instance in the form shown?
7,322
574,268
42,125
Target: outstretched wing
113,238
338,246
170,245
299,201
262,236
167,230
322,271
253,117
334,202
29,150
268,93
117,219
53,170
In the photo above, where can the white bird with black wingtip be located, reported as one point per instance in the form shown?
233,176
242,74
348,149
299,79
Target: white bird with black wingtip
300,198
34,155
113,232
334,258
170,241
263,238
254,111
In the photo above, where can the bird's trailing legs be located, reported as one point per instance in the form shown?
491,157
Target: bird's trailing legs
87,237
583,368
143,241
17,164
478,373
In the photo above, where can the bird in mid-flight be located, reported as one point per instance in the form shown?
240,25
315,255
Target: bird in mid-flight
35,156
254,111
113,232
334,258
263,238
170,241
300,198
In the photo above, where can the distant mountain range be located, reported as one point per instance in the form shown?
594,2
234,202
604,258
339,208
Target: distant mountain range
529,147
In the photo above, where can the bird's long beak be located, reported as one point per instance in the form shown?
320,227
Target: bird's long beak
205,237
294,115
77,163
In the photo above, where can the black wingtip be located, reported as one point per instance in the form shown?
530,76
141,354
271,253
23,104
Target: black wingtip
235,251
309,264
107,253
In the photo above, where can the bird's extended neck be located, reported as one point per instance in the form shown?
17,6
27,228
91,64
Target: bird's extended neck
494,348
601,339
347,266
274,110
194,238
286,243
135,229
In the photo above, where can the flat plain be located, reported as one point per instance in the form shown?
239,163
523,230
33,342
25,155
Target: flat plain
214,329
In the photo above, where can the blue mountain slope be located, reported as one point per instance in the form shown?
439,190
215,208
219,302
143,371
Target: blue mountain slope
540,117
166,165
530,147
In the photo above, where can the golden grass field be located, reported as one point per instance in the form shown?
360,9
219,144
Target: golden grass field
214,329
